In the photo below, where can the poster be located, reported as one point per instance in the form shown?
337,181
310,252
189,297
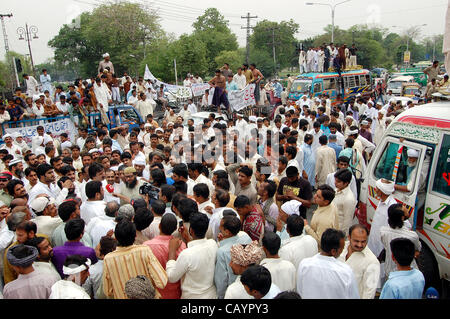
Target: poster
56,128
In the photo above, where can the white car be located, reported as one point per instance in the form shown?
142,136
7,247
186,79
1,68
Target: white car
200,116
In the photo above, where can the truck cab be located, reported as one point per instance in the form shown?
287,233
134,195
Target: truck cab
424,128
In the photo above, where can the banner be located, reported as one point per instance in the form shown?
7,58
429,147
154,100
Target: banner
199,89
56,128
241,99
148,75
178,91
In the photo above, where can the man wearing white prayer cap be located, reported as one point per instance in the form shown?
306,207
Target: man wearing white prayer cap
105,63
412,175
76,270
384,190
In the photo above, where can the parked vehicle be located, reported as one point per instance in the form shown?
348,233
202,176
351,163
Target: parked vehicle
411,90
350,84
424,128
395,84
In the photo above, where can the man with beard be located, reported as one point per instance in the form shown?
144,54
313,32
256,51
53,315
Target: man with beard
31,160
111,187
132,185
16,168
43,262
57,164
16,188
12,149
139,165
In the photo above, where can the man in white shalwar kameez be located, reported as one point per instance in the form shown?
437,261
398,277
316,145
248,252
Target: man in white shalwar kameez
103,97
325,161
145,106
363,262
32,85
302,61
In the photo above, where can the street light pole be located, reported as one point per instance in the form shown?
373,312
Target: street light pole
333,8
27,33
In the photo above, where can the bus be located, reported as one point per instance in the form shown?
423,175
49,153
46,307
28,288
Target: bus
354,82
426,129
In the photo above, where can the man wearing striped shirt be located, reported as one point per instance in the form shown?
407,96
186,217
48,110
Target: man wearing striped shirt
129,261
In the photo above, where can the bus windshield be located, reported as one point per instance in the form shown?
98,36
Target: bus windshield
395,85
411,91
302,86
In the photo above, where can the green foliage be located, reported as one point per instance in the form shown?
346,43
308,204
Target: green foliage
212,29
233,58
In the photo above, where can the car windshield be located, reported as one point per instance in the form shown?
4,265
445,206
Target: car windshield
395,85
411,91
302,86
128,114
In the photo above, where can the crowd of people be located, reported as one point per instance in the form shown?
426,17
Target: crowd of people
246,208
321,58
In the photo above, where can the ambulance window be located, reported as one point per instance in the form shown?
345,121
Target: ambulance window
386,164
441,183
317,87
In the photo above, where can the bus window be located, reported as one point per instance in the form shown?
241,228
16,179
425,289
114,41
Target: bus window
362,80
357,80
351,82
386,164
368,79
346,82
440,184
317,87
329,84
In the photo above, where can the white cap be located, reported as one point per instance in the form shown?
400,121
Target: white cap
252,118
47,138
7,135
14,162
159,129
139,161
291,207
412,153
364,122
39,203
106,55
147,125
93,150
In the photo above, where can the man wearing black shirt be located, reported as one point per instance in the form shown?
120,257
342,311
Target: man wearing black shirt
294,187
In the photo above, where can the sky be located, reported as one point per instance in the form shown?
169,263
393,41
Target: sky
178,15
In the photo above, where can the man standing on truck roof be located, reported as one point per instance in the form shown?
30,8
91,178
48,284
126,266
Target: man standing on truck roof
432,71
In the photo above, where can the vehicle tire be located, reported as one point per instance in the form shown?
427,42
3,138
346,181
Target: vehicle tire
428,266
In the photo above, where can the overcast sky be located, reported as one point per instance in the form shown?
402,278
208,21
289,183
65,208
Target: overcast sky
178,15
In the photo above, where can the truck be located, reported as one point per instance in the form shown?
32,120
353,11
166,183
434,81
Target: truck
425,128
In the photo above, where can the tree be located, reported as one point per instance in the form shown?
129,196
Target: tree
121,29
267,33
190,53
233,58
212,29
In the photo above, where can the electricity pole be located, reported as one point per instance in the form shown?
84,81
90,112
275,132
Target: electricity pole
248,27
273,43
5,37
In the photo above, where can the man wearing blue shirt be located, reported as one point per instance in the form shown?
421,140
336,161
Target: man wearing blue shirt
231,85
332,139
406,282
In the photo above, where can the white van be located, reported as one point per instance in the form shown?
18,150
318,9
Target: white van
425,128
395,84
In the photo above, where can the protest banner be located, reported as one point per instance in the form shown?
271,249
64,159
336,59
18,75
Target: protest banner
56,128
238,99
198,89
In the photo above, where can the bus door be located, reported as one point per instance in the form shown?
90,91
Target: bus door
390,162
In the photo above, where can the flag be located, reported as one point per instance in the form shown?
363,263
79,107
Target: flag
148,75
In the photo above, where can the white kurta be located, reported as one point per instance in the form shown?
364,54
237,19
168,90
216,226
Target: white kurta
345,203
237,291
297,248
47,224
98,227
91,209
282,271
195,266
331,182
65,289
32,86
323,277
325,163
145,108
366,268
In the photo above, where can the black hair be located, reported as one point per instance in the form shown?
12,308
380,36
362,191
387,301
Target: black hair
232,224
257,278
107,245
181,187
92,188
271,188
159,207
223,183
168,191
403,250
74,228
289,294
241,201
395,216
323,140
291,171
199,223
125,233
187,208
247,171
328,192
168,224
272,242
201,190
67,208
142,218
12,184
94,169
291,150
295,225
344,175
158,176
42,169
331,239
343,159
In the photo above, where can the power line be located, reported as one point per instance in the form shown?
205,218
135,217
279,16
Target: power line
248,27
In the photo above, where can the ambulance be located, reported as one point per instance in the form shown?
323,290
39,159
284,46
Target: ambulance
424,128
